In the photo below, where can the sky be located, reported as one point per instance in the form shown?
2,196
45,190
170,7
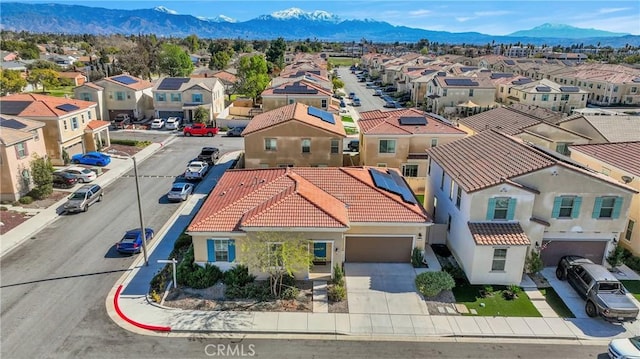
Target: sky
484,16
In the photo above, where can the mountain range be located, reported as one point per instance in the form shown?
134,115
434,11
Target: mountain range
291,24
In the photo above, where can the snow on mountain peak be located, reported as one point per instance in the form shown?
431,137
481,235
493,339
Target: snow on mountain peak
299,14
219,18
165,10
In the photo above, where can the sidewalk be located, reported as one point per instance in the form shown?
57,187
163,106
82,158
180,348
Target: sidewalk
118,166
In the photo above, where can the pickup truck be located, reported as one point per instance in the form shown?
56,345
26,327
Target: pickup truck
604,294
209,155
200,129
196,170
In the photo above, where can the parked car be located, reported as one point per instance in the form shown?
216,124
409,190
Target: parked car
604,294
235,132
173,123
157,124
342,103
352,95
196,170
64,180
390,104
354,145
84,197
209,155
390,89
121,120
131,242
91,158
370,85
356,102
377,93
200,129
84,175
180,191
624,348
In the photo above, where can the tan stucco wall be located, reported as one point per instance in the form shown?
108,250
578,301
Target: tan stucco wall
480,270
289,146
581,126
272,102
11,182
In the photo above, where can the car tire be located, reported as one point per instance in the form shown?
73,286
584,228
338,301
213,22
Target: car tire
75,161
100,198
210,134
85,208
560,273
81,180
591,310
188,134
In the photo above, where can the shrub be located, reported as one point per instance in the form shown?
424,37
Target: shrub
456,272
26,200
487,291
338,275
511,292
238,276
417,258
155,296
3,208
430,284
290,293
195,276
616,257
534,262
258,290
183,241
337,293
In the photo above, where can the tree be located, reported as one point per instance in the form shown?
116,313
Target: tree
192,43
42,64
616,257
41,173
174,61
252,75
275,52
11,82
201,115
534,263
135,61
337,83
219,60
277,254
46,77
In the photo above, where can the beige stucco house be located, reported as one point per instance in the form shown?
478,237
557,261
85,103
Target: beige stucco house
543,93
181,96
501,198
118,94
621,162
450,95
398,139
294,135
20,140
70,125
330,207
604,128
302,91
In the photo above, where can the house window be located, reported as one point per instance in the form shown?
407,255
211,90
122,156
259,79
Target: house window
410,170
629,231
196,97
434,142
442,181
381,165
270,144
119,96
607,207
161,97
566,207
562,148
292,101
335,146
387,146
85,96
21,150
74,123
449,223
128,95
545,97
470,92
459,197
89,115
501,208
221,250
564,97
499,259
429,168
444,92
435,205
64,123
451,188
324,104
82,117
176,97
306,145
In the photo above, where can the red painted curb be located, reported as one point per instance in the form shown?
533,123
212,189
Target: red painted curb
133,322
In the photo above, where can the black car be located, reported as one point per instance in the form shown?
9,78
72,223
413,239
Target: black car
209,155
235,132
64,180
354,145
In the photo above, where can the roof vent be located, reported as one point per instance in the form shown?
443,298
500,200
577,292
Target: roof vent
223,193
627,179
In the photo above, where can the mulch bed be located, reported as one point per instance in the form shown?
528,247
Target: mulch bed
130,150
10,220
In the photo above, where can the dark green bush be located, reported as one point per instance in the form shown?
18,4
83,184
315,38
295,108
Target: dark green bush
430,284
337,293
258,290
290,293
26,200
238,276
456,272
338,275
195,276
417,258
183,241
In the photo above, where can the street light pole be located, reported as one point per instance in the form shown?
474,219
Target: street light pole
142,228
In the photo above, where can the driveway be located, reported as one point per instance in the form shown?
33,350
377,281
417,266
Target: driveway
383,288
565,291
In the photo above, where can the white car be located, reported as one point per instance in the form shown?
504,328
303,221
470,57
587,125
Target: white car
172,123
157,124
84,175
196,170
626,348
180,191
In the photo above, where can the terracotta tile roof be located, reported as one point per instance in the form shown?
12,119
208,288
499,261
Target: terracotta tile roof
140,84
226,76
623,155
294,112
388,123
485,159
304,197
70,75
505,119
14,129
92,85
613,128
97,124
288,88
497,234
35,105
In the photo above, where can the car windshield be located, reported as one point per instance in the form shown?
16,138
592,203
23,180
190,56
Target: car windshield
78,195
86,171
635,341
176,189
608,286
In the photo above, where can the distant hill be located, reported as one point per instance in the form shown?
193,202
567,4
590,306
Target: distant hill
291,24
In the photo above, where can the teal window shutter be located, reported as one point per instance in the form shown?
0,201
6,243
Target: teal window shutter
596,208
556,207
575,211
511,211
211,250
616,208
491,209
231,248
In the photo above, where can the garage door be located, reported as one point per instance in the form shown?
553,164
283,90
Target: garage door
378,249
74,149
114,113
555,249
167,114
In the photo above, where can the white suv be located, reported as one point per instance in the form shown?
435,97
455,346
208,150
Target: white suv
157,124
172,123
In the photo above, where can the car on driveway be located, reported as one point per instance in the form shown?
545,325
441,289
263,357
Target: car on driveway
378,92
209,155
343,104
604,294
84,175
64,180
624,348
235,132
354,145
91,158
82,198
157,124
180,191
196,170
131,242
173,123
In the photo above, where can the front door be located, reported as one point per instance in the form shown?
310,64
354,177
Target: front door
319,252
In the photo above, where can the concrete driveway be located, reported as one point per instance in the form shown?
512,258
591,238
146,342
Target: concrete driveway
382,288
565,291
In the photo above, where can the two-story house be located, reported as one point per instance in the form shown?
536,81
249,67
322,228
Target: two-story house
398,138
114,95
500,198
294,135
447,95
546,93
20,139
304,91
604,128
70,125
181,96
620,161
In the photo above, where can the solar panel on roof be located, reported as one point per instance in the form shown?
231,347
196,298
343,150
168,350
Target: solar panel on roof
569,89
172,83
413,120
499,75
636,79
543,88
11,123
405,191
13,107
521,81
392,183
296,88
509,62
124,79
460,82
468,68
67,107
323,115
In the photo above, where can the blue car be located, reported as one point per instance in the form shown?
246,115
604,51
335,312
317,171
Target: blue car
91,159
131,242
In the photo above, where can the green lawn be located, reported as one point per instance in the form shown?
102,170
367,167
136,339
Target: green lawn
494,305
61,91
347,119
556,303
351,130
633,286
343,61
420,198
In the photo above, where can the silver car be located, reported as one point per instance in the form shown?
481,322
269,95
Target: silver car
84,197
180,191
